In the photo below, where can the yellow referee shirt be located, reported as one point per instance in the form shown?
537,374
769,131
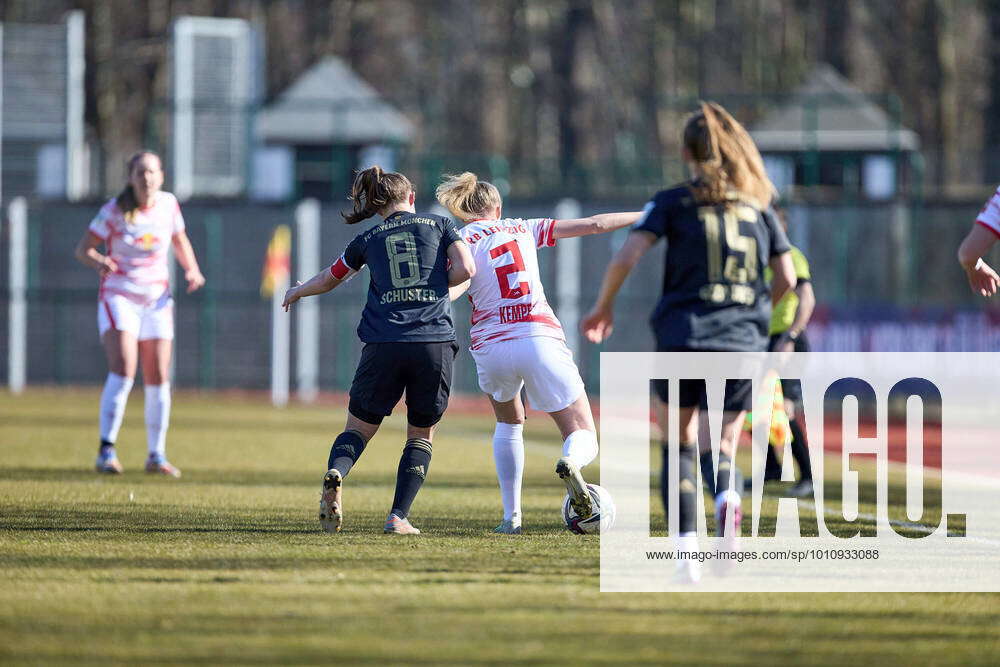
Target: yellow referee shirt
783,313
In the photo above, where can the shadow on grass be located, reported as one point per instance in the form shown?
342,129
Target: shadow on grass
270,423
238,477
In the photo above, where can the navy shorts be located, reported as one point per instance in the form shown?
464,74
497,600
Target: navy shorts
738,396
386,370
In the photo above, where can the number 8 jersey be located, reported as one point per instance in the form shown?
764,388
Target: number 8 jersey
508,300
407,260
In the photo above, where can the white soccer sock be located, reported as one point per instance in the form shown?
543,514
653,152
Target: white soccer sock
157,418
508,454
113,399
580,447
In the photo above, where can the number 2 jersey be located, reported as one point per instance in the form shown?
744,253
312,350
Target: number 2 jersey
714,293
407,259
508,300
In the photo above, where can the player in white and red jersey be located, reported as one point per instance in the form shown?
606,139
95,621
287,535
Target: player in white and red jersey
984,233
135,312
517,339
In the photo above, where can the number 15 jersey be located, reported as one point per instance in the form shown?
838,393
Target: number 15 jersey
508,300
714,293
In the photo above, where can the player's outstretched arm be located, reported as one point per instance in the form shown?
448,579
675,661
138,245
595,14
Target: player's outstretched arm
982,278
595,224
599,322
784,276
188,262
463,266
321,283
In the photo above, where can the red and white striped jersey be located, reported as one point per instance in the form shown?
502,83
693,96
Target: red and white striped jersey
508,300
139,247
989,217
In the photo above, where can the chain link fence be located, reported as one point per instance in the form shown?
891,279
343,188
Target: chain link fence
863,271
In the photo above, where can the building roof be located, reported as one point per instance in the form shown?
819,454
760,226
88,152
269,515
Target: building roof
330,104
829,113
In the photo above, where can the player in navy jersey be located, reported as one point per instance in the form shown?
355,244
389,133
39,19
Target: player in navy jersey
720,236
407,329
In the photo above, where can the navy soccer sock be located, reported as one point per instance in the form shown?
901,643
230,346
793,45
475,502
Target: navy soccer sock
707,473
800,450
727,469
413,467
345,452
687,485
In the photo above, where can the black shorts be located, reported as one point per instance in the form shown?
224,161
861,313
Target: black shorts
386,370
738,395
792,390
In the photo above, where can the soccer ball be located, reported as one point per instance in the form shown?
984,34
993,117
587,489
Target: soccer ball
602,519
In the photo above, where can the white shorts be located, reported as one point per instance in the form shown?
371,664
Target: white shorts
145,321
543,365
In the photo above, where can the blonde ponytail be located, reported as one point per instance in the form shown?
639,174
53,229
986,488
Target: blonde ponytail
466,196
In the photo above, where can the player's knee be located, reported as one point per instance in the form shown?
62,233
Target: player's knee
361,414
423,420
511,419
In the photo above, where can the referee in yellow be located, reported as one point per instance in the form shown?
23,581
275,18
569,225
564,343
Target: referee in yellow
788,333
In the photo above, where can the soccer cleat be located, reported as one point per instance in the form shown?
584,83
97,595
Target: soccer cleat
688,572
511,526
399,526
161,466
579,496
802,489
331,512
107,462
728,504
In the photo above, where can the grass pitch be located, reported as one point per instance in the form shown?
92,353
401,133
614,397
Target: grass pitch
227,565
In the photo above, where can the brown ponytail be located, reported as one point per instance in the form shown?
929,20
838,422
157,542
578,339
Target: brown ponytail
467,197
374,190
126,200
729,163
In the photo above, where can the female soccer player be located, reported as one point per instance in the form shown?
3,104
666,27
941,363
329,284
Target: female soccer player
407,330
720,234
517,340
984,233
135,312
